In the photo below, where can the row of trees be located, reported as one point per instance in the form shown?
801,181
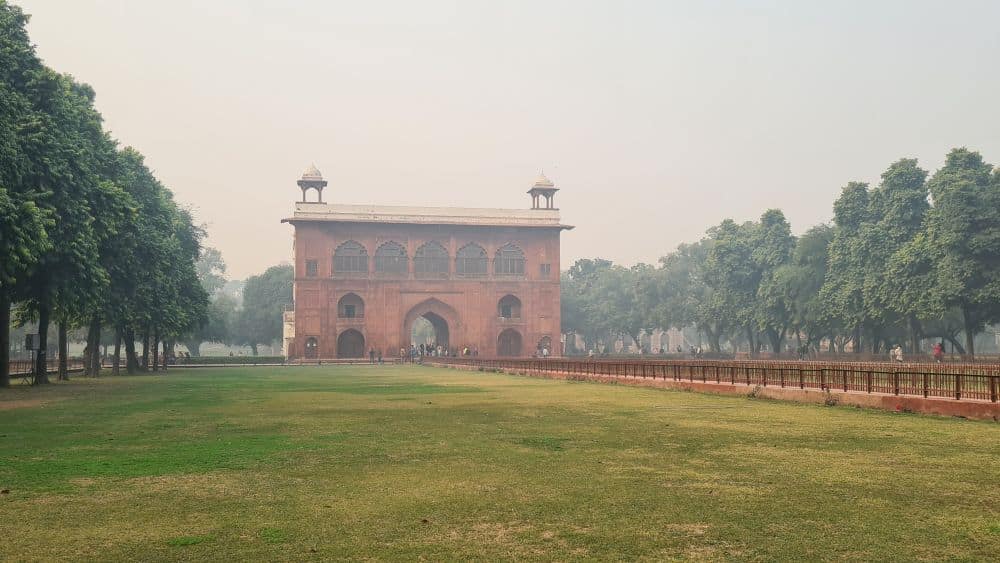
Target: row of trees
88,236
908,259
254,320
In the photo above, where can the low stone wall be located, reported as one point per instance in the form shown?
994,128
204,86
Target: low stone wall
979,410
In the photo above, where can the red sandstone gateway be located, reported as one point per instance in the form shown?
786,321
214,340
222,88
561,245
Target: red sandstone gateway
487,280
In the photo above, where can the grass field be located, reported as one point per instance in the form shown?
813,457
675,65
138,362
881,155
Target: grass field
319,463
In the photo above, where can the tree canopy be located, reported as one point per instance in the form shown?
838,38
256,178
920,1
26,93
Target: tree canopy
908,259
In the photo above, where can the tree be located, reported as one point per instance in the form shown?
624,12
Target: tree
963,236
843,291
211,270
265,297
24,224
773,245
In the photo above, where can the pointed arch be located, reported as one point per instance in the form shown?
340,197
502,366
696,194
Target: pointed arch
509,343
390,258
350,258
509,307
509,261
351,344
471,261
351,306
444,317
431,260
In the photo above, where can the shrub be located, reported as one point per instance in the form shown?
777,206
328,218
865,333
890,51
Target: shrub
830,400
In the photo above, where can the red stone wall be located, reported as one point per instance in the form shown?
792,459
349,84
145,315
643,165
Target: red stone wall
392,302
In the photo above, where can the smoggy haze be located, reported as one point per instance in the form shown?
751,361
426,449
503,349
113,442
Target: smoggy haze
655,119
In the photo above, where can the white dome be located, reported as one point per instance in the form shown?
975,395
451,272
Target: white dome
312,173
543,182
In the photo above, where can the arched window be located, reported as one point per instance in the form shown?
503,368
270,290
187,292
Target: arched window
471,260
509,261
350,257
390,258
509,307
351,306
431,259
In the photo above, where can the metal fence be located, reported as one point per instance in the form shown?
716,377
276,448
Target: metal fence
953,381
21,368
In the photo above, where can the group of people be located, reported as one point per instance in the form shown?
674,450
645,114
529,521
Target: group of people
416,353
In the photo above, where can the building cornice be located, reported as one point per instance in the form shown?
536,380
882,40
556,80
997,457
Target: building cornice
411,215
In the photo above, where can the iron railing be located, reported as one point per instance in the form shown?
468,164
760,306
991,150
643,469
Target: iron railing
21,368
954,381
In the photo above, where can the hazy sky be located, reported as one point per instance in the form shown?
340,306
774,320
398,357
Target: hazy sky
656,119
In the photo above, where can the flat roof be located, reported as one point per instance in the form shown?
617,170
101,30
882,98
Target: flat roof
403,214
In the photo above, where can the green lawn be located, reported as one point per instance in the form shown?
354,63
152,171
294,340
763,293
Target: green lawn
409,462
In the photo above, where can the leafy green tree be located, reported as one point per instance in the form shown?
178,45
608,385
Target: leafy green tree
773,306
211,270
685,299
265,297
843,291
580,299
963,235
24,224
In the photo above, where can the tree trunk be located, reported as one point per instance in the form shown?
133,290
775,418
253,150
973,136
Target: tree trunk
166,349
145,350
775,339
63,372
93,367
115,370
41,371
4,340
254,348
749,334
156,349
857,339
131,361
970,335
194,347
915,334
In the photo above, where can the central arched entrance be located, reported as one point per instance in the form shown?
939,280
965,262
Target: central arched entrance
431,330
432,323
350,344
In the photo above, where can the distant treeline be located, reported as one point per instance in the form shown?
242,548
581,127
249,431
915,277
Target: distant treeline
88,236
909,259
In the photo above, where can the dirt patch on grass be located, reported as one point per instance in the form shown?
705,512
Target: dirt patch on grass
24,403
688,529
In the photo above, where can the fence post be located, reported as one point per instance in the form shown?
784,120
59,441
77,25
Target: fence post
822,379
845,380
993,388
927,383
895,382
868,381
958,387
802,379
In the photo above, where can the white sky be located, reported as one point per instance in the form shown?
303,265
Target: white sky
656,119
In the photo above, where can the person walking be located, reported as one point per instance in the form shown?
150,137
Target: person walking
897,354
371,355
939,352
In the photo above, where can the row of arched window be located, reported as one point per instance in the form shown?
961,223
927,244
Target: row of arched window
430,259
